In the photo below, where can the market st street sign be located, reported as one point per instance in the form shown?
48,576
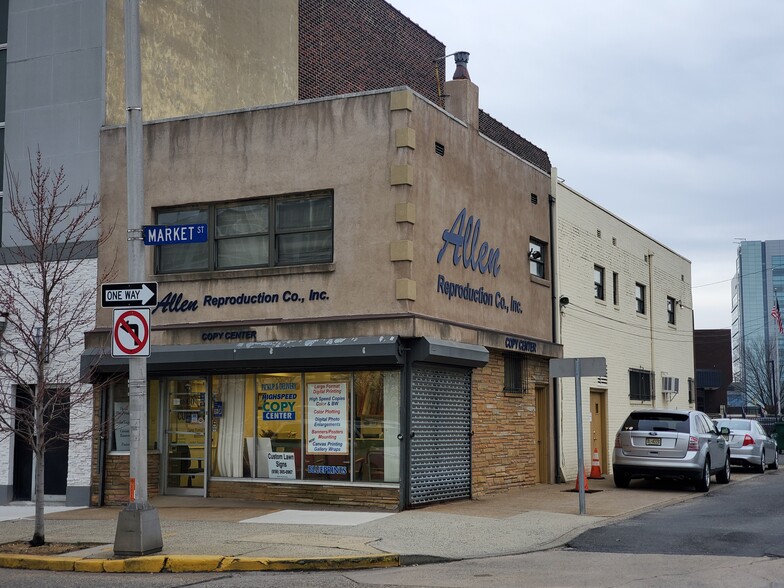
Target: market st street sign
137,294
174,234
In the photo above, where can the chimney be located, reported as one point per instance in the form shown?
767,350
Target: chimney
462,95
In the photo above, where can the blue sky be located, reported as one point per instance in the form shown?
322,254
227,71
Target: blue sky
668,113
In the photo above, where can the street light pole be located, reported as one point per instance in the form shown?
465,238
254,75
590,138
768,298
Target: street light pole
138,526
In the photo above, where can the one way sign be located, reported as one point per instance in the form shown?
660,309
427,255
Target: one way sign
138,294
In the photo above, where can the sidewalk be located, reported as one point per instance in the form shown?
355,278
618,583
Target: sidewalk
214,534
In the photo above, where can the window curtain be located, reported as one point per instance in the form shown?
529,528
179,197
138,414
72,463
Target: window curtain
231,390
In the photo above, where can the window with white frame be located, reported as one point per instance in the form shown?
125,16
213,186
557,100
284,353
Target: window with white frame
264,232
670,310
536,257
598,282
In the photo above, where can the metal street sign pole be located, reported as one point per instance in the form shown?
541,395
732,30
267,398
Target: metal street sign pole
578,367
138,527
578,401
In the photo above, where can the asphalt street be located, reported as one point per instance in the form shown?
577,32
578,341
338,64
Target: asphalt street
745,520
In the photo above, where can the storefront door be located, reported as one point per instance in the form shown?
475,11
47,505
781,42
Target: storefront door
186,439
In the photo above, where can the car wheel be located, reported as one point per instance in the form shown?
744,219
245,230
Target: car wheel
703,484
775,464
761,466
723,477
622,480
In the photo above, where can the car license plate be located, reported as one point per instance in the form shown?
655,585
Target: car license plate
652,441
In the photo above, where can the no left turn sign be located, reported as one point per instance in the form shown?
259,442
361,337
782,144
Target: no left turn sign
131,332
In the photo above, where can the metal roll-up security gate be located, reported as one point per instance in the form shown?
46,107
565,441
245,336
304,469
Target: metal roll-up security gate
440,440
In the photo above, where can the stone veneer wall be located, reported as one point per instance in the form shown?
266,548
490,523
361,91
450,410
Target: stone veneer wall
504,452
117,487
343,495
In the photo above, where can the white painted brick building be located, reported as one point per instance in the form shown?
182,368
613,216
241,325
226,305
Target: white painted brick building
603,266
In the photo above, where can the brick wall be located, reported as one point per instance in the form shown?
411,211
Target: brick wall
504,452
518,145
350,46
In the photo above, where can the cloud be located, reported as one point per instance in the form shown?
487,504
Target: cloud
667,113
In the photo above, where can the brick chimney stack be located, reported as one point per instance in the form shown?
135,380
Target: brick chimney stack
462,95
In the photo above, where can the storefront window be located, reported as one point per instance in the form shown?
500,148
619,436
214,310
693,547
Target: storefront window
332,426
376,426
278,426
327,449
120,416
232,431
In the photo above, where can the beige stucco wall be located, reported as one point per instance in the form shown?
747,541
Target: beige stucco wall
205,56
351,145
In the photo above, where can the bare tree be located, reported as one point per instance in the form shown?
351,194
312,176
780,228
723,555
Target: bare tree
762,385
48,283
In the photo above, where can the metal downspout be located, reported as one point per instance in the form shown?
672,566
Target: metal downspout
650,312
556,319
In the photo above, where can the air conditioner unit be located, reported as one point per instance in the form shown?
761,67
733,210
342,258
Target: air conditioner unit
670,385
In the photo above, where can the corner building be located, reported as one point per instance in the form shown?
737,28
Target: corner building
363,324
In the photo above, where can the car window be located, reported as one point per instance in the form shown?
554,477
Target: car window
699,424
734,424
760,429
650,421
709,424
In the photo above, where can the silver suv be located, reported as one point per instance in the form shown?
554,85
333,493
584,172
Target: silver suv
679,444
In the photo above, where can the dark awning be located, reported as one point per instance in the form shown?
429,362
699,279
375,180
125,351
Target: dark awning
430,350
297,354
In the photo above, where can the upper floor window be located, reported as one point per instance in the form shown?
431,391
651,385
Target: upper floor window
616,290
265,232
598,282
639,296
536,257
670,310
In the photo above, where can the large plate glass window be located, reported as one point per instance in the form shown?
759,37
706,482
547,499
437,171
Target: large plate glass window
303,228
242,235
331,426
265,232
188,257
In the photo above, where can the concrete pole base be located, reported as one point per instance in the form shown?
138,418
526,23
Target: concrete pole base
138,531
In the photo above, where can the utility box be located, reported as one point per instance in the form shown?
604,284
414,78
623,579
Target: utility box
778,434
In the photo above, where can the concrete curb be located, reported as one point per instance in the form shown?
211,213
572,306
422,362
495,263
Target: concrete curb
196,563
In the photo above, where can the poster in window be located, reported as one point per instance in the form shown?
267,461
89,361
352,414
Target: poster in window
122,426
327,418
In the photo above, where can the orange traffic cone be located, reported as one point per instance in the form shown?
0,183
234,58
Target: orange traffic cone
596,468
577,483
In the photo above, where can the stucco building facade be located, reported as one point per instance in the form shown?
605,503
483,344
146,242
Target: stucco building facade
406,290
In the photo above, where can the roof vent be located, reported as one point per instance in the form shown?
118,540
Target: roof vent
461,63
440,149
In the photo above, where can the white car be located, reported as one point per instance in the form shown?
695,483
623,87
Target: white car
750,445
